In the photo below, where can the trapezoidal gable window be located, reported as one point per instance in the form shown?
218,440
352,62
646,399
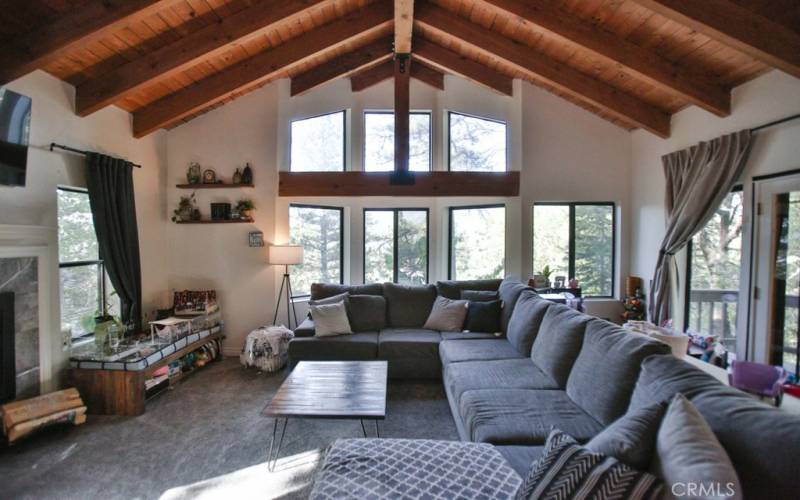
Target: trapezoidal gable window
476,144
396,245
576,240
320,231
477,244
379,141
318,143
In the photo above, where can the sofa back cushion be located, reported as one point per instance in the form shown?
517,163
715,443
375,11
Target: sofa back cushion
760,440
559,341
525,321
605,372
451,289
408,306
324,290
367,312
509,292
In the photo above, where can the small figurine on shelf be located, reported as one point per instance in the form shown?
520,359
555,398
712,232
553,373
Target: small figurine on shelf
193,173
245,208
247,174
237,177
634,307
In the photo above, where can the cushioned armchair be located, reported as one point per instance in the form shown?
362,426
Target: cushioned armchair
759,379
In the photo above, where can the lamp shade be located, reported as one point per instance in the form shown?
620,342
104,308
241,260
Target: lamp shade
286,254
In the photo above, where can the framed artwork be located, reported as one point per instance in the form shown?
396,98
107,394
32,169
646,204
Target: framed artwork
256,239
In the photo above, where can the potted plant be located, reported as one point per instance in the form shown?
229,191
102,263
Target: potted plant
185,209
546,272
245,208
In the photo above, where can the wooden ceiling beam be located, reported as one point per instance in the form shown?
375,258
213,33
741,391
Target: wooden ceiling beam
73,29
378,73
209,41
646,64
219,86
403,25
402,106
347,63
565,78
452,61
738,27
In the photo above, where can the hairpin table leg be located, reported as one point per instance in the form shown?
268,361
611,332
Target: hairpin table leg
272,460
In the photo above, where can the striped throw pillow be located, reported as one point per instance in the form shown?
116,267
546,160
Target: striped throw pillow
567,470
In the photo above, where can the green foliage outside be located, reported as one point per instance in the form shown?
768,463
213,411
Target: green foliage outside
479,243
476,144
379,141
412,242
318,231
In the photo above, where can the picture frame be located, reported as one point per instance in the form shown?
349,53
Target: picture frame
256,239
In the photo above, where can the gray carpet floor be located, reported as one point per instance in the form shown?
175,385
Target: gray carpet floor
205,438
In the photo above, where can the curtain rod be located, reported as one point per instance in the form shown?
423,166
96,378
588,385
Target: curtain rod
776,122
80,151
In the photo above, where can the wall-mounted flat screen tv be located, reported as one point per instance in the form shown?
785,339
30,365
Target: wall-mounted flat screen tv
15,124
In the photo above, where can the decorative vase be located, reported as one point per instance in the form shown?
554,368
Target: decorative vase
237,177
193,173
247,175
246,214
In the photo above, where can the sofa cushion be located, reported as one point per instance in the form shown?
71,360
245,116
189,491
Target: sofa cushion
483,316
451,289
333,299
355,347
508,292
454,351
526,320
305,329
324,290
496,374
754,435
468,335
479,295
408,306
523,416
412,353
447,314
605,372
631,439
559,342
367,312
520,458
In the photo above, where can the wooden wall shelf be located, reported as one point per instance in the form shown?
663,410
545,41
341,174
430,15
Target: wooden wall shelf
221,221
213,186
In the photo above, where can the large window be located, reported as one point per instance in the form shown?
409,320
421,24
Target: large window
82,273
379,141
320,231
396,246
476,144
477,242
715,259
318,143
576,240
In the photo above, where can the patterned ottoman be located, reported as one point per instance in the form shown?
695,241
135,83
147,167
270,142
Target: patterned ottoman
414,468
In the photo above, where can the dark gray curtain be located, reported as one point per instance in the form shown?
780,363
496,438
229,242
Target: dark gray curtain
698,179
110,183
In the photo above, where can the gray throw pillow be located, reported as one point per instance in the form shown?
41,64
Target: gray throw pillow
559,342
526,320
447,315
478,295
330,320
689,454
367,313
631,439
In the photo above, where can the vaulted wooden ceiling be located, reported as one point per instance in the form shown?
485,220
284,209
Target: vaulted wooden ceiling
632,62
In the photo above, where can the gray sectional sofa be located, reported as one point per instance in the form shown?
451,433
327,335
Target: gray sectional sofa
556,368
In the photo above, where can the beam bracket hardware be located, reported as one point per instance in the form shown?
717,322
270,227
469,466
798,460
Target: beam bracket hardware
402,178
403,60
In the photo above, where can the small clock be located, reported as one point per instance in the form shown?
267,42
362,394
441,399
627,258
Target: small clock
209,177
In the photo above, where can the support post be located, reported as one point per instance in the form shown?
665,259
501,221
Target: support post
402,80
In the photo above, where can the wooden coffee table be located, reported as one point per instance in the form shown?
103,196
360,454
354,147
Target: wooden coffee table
329,389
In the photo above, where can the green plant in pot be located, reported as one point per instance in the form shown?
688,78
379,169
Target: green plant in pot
185,209
105,324
546,272
245,208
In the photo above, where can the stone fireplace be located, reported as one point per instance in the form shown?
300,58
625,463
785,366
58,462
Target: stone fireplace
19,328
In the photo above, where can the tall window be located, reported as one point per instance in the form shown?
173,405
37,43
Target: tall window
318,143
396,246
82,273
379,141
476,144
715,259
320,231
477,242
576,240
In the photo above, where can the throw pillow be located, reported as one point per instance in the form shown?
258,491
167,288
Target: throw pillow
333,299
447,315
483,316
568,470
330,319
689,454
367,313
478,295
631,439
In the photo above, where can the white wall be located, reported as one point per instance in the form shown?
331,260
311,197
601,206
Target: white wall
107,131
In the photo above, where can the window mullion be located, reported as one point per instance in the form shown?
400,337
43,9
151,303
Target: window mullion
395,252
571,270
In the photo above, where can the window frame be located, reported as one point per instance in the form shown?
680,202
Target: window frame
391,112
395,220
341,238
571,247
687,287
450,137
450,211
102,297
344,137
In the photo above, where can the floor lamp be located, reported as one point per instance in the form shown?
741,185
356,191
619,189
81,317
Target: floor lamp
286,255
